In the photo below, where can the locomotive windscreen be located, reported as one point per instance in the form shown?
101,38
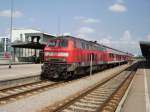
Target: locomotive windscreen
58,43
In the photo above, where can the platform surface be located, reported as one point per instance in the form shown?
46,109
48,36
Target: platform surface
19,71
138,99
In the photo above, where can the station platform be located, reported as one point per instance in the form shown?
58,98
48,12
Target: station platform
138,98
19,71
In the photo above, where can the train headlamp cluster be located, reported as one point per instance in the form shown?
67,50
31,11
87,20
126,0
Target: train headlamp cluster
64,54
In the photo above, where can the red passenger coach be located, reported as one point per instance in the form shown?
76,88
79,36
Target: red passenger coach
67,56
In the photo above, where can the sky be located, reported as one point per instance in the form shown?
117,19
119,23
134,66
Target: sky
120,24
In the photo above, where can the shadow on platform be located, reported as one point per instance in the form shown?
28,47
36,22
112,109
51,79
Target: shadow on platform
144,65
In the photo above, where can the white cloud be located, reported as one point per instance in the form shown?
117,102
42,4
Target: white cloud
66,34
86,30
7,13
120,1
105,41
32,19
125,43
83,36
126,36
148,37
91,20
86,20
87,37
118,7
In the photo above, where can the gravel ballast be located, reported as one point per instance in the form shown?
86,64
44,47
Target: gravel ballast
39,101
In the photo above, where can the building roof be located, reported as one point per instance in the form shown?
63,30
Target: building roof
28,45
31,44
39,34
145,48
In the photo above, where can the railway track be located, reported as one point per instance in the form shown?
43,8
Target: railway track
22,90
104,96
13,93
18,81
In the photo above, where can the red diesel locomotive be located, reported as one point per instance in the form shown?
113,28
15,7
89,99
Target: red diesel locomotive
67,56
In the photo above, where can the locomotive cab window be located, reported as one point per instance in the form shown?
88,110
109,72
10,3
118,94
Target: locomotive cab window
58,43
63,43
52,43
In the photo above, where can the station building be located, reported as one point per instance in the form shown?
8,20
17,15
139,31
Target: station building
4,43
28,45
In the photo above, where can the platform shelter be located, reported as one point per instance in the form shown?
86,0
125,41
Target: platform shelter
32,49
145,48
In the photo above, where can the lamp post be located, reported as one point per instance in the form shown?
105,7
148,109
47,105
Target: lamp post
11,21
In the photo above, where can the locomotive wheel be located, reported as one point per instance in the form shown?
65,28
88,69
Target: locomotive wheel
43,76
64,76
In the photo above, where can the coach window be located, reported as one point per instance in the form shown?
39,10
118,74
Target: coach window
99,48
75,44
91,47
110,55
87,46
83,45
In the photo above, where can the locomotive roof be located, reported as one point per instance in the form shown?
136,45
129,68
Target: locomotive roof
95,42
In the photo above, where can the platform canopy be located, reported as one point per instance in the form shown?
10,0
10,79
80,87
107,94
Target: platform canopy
145,48
28,45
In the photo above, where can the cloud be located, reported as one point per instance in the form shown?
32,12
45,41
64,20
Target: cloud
87,20
125,43
66,34
147,37
86,30
118,8
31,19
105,41
83,36
7,13
120,1
126,36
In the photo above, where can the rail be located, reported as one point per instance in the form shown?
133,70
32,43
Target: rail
103,96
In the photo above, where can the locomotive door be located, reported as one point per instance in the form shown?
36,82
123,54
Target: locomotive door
41,56
92,57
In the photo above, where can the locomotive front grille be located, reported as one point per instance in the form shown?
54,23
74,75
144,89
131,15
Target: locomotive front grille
55,60
52,68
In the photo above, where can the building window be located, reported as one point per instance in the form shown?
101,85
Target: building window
21,37
29,39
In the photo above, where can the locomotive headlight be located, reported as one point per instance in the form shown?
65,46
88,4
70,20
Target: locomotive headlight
65,54
47,53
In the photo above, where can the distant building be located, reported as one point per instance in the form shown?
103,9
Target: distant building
4,40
